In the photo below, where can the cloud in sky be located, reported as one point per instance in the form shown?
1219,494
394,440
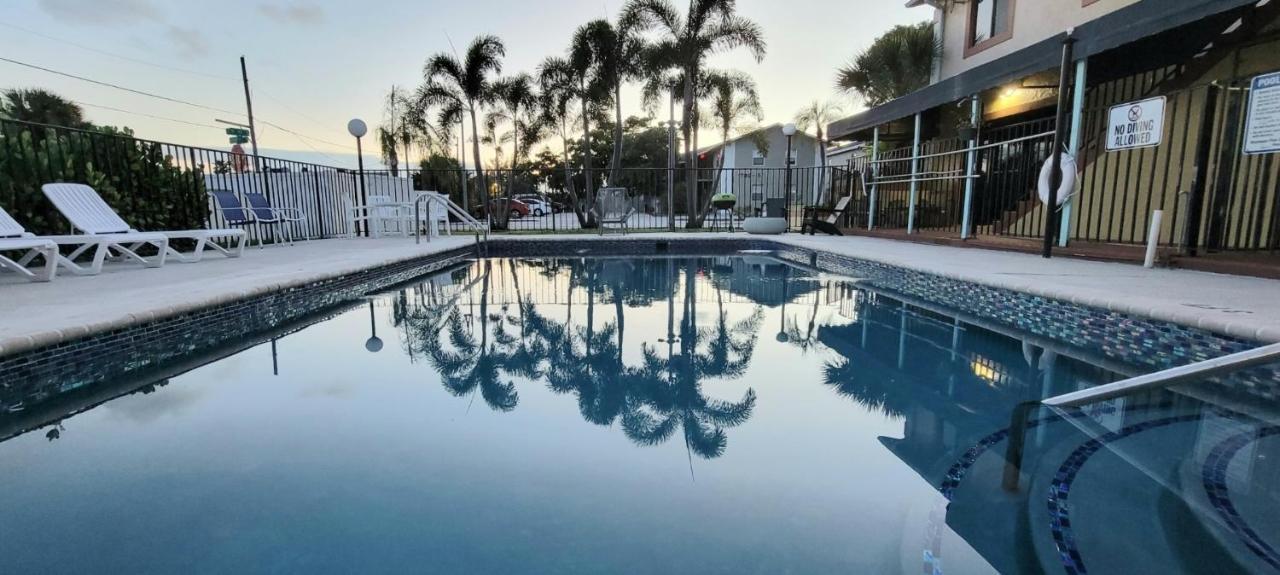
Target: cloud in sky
189,42
293,14
100,11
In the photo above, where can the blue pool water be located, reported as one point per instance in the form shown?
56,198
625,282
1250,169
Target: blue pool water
632,415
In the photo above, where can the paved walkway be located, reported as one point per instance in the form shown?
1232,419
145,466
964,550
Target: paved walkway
33,315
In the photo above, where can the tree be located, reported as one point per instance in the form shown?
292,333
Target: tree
395,131
615,53
41,107
466,84
685,42
734,105
818,114
897,63
562,83
517,99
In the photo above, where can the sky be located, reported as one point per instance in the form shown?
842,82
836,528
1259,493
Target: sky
315,64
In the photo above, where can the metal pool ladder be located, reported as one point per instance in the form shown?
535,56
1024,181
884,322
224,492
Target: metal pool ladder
1158,380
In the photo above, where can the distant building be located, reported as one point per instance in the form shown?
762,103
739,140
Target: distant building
754,168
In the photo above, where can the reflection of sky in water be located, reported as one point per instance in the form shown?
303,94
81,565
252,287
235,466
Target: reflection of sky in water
356,461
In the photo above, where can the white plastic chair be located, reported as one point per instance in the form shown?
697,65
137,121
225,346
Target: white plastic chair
613,208
439,213
13,238
87,212
12,234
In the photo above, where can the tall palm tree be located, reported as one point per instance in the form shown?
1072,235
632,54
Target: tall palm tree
897,63
685,41
517,99
818,114
467,83
734,107
557,77
615,53
395,132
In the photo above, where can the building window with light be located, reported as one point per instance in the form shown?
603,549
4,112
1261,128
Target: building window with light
990,23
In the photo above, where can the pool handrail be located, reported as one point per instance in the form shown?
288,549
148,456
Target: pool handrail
1168,377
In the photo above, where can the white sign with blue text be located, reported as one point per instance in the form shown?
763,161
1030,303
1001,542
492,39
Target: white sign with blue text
1262,130
1136,125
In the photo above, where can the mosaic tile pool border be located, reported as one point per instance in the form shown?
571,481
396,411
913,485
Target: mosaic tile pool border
30,377
1145,343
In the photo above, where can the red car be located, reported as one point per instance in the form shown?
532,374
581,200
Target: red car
518,208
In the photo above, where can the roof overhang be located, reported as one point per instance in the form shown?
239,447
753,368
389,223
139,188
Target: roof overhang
1123,26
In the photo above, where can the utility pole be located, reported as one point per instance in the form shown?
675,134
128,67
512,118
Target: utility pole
253,132
248,104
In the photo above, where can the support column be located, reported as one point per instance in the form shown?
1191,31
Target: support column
1077,120
875,173
975,117
915,184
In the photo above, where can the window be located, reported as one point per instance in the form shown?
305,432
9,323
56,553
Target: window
990,23
757,158
792,160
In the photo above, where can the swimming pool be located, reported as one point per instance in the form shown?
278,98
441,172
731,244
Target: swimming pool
696,413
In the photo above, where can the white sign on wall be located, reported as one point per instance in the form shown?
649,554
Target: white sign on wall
1262,130
1136,124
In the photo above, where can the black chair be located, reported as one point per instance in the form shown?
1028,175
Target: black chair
824,219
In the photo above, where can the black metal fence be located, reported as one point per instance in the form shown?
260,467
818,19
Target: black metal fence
157,185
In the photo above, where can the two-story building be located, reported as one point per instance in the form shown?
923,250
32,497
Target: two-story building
1166,108
753,167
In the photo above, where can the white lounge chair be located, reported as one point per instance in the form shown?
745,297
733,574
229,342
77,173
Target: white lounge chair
87,212
12,235
13,238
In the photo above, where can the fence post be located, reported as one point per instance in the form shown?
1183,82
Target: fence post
1077,123
319,211
874,168
971,165
1055,157
915,184
1199,181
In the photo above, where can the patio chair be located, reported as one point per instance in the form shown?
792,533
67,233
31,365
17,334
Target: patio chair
439,216
13,237
379,216
259,213
613,208
87,212
824,219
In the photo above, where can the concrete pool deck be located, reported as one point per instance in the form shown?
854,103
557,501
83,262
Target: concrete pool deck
34,315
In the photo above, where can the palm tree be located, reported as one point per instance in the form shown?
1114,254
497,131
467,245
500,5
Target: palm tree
818,114
734,104
559,82
897,63
615,53
517,99
466,83
42,107
685,41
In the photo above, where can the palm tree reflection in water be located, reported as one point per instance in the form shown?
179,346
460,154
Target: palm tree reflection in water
653,401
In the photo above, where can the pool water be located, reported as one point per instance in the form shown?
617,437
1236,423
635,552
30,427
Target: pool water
636,415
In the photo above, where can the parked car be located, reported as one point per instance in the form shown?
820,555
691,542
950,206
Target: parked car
518,208
538,205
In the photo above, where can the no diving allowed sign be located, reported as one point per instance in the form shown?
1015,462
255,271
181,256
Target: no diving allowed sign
1136,124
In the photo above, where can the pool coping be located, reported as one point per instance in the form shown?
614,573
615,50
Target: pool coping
1165,313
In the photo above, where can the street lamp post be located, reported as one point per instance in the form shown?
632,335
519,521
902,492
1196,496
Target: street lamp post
356,127
788,130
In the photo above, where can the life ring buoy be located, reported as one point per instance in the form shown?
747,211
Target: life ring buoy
1068,185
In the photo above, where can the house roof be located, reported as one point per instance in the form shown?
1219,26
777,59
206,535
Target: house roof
1115,29
774,126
